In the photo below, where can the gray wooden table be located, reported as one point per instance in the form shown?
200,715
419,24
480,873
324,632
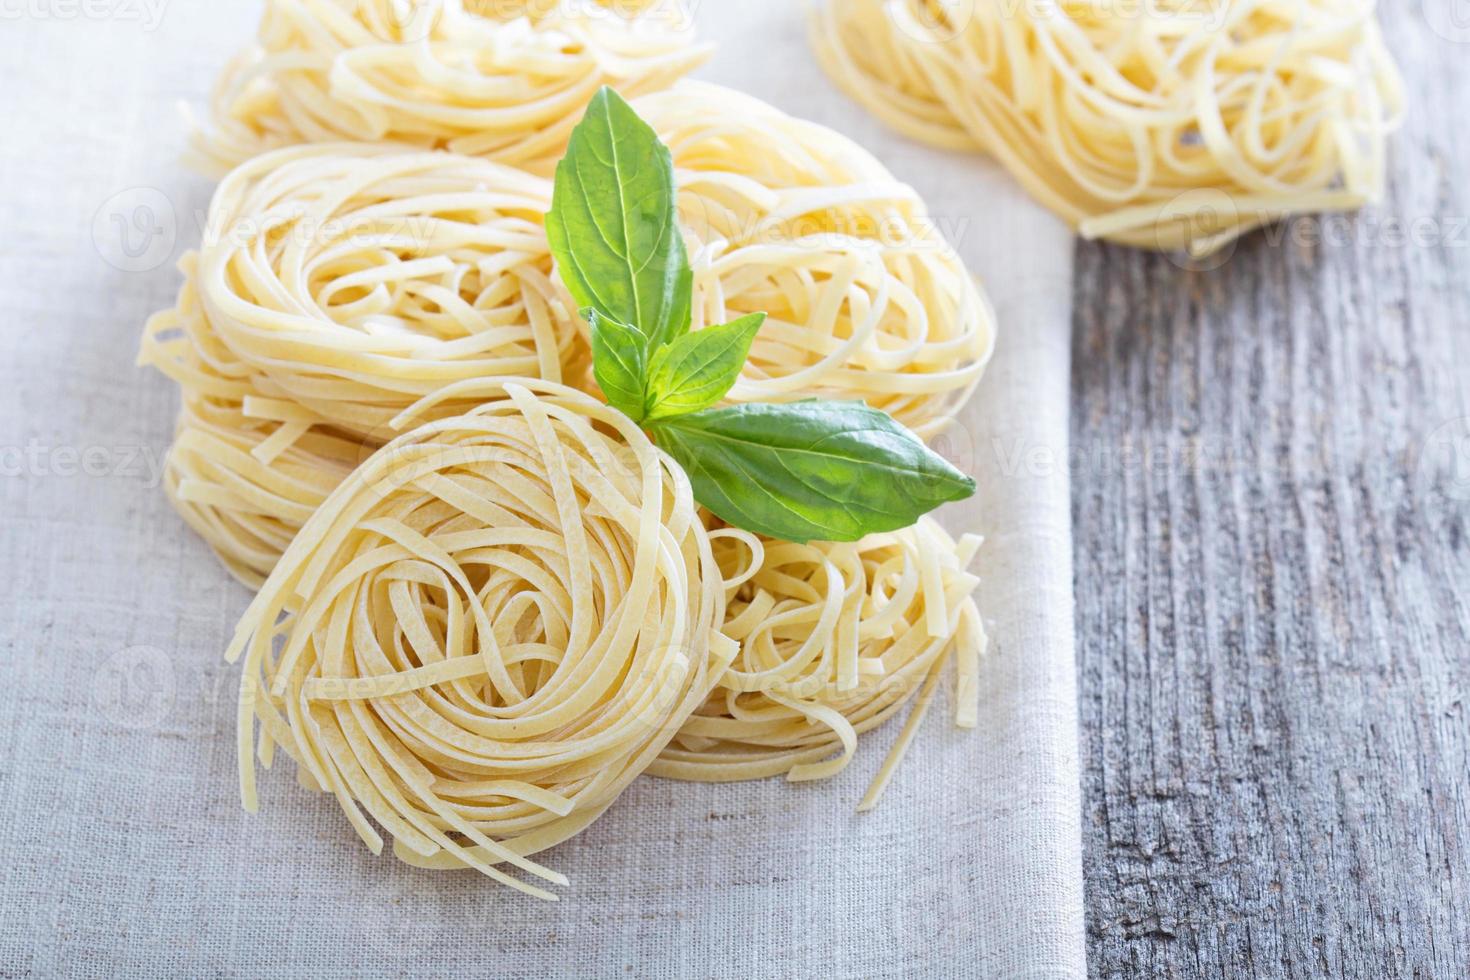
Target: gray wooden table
1271,479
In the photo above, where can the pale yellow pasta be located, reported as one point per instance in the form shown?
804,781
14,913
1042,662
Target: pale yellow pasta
487,632
834,639
338,284
246,500
354,279
503,79
244,471
1166,124
475,636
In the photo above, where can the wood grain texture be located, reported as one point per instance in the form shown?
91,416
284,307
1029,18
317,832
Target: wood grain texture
1271,482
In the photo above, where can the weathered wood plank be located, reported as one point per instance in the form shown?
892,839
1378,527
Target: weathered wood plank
1273,626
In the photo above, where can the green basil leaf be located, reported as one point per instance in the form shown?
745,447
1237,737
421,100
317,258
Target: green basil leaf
618,363
614,223
697,370
812,470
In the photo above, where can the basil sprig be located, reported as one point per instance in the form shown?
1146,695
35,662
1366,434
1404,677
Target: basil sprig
697,369
828,470
799,471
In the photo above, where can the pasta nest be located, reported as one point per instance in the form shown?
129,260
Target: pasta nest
338,285
487,632
503,79
834,639
1165,124
865,297
354,279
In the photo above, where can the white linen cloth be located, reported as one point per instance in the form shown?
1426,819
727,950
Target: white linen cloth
123,847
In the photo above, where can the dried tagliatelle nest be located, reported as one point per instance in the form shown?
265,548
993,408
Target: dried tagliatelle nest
1166,124
504,79
338,285
865,299
834,639
487,632
356,278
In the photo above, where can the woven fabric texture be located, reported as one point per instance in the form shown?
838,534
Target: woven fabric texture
123,847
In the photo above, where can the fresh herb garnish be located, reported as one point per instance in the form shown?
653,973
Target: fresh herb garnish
798,471
614,223
833,471
696,370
